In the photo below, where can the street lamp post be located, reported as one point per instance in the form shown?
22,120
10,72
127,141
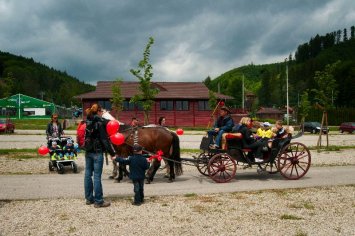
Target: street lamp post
287,92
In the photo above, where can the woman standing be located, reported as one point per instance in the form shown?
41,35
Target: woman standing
54,128
97,142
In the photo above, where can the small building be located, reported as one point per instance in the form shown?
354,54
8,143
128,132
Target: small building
22,106
269,113
183,104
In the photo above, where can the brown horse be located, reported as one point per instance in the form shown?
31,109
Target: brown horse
152,139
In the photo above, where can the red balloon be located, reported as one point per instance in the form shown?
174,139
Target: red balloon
112,127
43,150
221,103
117,138
179,131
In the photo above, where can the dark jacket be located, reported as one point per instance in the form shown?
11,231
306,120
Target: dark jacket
138,164
225,123
100,137
49,130
247,135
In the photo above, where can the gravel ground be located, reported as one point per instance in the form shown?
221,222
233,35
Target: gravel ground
310,211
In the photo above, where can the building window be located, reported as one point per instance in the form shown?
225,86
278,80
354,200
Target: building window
203,106
166,105
105,105
128,106
182,105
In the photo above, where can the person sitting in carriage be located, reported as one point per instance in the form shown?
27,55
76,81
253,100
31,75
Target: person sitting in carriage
55,151
264,131
223,124
70,151
249,139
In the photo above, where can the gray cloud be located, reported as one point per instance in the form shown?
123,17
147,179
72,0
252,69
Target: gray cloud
102,40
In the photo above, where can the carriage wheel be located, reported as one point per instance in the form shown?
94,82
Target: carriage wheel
202,163
294,161
50,166
222,168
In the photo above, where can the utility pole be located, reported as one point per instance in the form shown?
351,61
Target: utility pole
243,93
287,92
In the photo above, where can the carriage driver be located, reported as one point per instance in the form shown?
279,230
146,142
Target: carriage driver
223,124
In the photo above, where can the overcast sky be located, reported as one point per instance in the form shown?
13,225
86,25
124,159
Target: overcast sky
97,40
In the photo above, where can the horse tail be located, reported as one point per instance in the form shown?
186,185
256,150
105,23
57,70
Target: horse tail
176,154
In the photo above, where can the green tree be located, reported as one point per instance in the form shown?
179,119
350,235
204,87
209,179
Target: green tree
117,99
325,93
304,107
212,101
144,74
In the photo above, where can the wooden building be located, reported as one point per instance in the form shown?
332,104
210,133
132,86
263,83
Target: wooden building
269,113
183,104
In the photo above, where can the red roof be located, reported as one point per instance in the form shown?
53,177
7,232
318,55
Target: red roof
167,90
269,110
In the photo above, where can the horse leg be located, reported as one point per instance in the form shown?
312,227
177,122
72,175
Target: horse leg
167,166
172,173
152,170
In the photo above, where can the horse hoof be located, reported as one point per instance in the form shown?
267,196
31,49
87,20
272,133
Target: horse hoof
170,180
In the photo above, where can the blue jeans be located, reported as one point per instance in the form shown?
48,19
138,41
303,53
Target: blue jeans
138,188
93,187
212,133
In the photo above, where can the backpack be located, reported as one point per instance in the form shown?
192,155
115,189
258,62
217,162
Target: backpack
80,134
87,135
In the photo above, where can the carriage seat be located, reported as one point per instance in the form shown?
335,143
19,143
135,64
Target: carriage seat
233,140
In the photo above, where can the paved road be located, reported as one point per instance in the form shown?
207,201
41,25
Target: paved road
71,185
191,139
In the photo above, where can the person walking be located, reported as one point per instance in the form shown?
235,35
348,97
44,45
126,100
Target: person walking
138,164
96,143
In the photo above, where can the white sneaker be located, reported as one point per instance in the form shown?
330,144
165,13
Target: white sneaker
258,160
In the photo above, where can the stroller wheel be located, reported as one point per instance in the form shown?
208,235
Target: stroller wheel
60,168
75,167
50,166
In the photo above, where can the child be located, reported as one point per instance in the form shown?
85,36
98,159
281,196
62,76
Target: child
70,152
264,132
138,164
55,151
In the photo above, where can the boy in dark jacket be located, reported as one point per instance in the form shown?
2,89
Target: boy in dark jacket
138,164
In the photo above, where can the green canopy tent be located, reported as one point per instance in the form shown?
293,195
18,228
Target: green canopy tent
26,105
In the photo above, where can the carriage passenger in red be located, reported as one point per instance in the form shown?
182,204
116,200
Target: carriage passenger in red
223,124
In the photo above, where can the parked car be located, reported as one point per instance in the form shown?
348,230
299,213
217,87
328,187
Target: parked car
314,127
7,126
347,127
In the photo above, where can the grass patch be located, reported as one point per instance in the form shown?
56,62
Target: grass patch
190,195
330,148
290,217
8,151
35,124
300,233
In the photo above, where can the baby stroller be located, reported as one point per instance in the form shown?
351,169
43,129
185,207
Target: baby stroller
61,156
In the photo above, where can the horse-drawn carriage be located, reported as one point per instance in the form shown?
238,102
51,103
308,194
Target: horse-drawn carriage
291,159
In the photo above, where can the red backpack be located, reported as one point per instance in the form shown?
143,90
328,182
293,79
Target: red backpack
80,134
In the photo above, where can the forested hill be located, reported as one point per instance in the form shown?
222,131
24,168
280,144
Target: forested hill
268,82
23,75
